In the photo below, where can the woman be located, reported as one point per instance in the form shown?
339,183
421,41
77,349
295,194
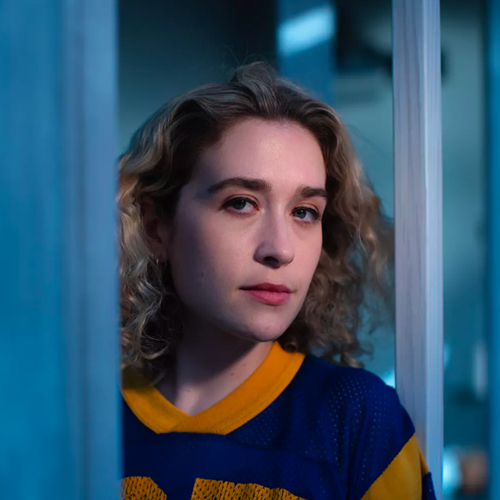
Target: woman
249,239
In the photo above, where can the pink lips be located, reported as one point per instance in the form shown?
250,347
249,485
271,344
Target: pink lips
269,293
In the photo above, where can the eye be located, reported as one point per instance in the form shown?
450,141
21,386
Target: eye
306,214
241,204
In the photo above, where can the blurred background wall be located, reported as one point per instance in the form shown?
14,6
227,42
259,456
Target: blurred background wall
167,48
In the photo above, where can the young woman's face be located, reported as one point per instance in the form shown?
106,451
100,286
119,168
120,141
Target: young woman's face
246,237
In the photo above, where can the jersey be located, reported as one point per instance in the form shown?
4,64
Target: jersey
299,428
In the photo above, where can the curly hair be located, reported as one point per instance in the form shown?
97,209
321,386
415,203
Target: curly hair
159,161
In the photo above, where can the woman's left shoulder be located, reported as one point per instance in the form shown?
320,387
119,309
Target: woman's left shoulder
354,387
382,445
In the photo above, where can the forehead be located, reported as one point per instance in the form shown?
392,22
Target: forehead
284,154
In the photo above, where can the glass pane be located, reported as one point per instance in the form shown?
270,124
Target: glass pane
363,97
464,247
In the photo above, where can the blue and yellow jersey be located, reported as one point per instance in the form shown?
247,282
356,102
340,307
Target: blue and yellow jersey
298,428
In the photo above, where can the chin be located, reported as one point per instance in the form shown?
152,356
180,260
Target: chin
251,325
262,333
263,337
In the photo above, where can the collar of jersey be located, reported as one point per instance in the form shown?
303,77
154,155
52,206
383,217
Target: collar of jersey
240,406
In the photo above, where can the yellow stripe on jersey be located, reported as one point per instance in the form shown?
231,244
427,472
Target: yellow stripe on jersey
135,488
205,489
243,404
403,478
148,405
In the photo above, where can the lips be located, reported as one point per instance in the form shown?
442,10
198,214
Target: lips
268,293
269,287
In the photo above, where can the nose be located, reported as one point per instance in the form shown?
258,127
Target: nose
275,247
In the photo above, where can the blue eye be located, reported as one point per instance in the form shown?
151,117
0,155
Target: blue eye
306,214
238,203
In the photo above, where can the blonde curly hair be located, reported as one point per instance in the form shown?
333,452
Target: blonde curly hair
357,239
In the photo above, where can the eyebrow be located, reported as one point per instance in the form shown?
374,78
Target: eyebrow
265,187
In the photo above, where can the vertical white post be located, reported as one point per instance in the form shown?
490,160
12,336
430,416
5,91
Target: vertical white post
418,213
59,432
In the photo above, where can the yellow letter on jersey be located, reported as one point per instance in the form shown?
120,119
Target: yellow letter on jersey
206,489
141,488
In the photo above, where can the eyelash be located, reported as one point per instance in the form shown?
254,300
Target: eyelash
315,214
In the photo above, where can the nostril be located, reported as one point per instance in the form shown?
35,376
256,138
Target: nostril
271,262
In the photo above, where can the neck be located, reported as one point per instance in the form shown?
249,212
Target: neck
208,367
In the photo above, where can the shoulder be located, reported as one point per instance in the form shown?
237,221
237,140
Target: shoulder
381,447
345,417
369,406
356,389
372,427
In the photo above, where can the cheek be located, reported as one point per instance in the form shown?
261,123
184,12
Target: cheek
204,255
309,257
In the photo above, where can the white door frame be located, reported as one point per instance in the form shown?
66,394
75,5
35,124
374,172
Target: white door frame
418,214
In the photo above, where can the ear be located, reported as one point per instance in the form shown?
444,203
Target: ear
156,230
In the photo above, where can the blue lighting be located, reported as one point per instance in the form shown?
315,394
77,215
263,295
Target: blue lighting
307,30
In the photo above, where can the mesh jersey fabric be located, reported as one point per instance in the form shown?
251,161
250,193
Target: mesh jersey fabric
332,433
